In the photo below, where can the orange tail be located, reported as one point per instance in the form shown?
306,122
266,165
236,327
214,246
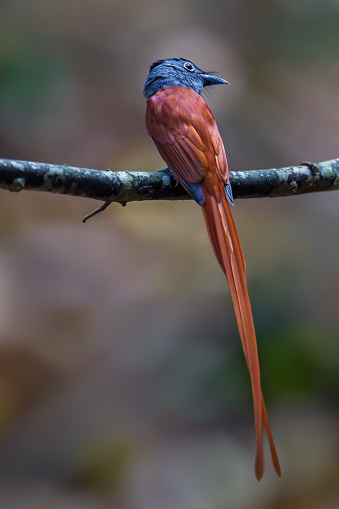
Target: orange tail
228,251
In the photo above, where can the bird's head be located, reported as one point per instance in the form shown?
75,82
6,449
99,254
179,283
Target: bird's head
178,72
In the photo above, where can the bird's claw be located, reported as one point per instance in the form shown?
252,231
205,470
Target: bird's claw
168,171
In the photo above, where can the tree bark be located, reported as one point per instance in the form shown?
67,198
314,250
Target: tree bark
125,186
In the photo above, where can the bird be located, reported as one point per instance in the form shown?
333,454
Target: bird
186,135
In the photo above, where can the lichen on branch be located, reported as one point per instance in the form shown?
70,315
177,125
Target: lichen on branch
125,186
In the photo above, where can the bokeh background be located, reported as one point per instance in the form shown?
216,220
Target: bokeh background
122,380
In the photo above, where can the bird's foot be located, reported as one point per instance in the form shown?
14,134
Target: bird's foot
168,172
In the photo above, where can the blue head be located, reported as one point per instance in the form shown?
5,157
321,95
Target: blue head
174,72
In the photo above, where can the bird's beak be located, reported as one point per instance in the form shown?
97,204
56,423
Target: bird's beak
209,79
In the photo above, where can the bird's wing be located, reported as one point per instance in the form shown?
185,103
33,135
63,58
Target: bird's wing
174,119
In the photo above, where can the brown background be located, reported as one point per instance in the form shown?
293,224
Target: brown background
122,380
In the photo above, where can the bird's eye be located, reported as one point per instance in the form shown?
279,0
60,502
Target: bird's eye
188,66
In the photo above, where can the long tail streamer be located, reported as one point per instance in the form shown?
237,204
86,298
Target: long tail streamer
227,248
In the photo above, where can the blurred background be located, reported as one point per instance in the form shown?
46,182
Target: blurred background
122,379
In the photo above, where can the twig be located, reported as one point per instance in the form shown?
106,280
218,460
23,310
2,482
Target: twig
125,186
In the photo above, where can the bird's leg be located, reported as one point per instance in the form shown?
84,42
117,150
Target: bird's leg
168,172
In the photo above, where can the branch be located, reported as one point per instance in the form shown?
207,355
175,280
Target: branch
125,186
